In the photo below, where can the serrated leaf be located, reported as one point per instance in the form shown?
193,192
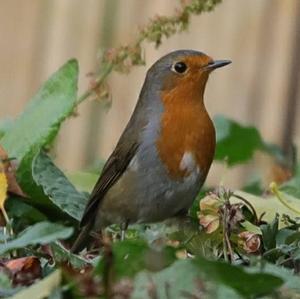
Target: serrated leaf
39,233
57,187
41,119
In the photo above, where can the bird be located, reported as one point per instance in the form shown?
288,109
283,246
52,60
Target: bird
164,153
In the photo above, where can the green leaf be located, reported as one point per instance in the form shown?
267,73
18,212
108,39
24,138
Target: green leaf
283,236
41,289
39,123
57,187
37,126
37,196
291,281
235,277
190,278
40,233
235,143
131,256
269,233
181,280
19,209
61,254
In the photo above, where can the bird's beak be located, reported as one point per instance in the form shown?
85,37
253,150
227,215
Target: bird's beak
216,64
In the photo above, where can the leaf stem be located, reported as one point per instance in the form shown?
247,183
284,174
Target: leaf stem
99,80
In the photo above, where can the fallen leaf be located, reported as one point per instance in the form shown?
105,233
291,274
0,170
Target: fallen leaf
24,271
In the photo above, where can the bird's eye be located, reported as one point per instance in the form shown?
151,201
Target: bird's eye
179,67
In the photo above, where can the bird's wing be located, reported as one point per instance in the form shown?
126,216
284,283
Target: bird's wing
113,169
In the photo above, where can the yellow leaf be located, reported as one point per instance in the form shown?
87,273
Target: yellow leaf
3,190
3,186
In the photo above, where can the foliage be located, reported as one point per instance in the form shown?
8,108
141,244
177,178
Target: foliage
233,245
232,145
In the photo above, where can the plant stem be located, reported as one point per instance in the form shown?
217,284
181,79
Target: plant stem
99,80
229,246
225,235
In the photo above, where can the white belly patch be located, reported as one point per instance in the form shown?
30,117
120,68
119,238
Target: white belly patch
188,163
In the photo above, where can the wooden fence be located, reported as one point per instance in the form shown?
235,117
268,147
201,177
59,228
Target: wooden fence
261,37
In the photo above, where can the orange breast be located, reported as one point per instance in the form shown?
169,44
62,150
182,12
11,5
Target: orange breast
185,127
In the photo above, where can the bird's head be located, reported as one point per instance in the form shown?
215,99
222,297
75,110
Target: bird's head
183,71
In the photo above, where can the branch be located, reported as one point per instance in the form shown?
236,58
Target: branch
123,58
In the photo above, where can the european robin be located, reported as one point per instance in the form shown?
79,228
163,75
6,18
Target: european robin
163,156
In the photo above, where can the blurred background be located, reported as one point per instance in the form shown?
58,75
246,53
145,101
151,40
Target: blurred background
260,87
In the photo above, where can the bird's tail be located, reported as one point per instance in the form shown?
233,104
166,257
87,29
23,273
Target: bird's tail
82,240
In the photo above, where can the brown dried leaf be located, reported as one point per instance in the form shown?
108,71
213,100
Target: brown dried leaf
24,271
